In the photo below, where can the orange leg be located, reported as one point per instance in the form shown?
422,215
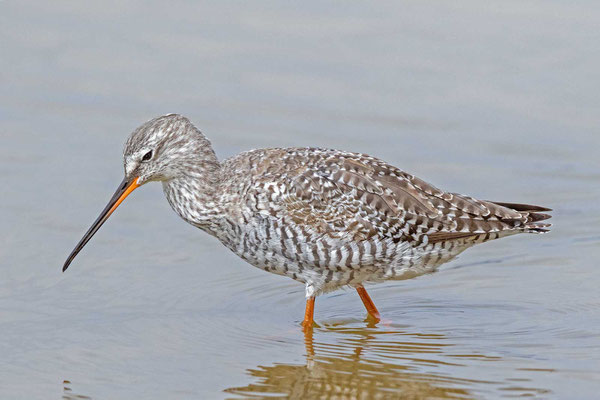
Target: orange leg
308,314
369,305
309,343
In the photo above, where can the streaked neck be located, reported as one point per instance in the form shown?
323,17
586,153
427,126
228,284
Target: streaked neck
193,196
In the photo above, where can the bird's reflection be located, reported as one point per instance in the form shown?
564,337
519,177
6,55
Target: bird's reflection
365,363
352,360
68,393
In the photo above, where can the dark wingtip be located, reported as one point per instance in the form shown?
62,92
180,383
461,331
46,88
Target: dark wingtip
65,267
522,207
536,216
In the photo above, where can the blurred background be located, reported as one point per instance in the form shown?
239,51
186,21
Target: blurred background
495,100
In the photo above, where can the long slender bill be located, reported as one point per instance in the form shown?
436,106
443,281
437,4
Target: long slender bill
124,189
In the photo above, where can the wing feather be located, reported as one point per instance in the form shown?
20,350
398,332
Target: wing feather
351,195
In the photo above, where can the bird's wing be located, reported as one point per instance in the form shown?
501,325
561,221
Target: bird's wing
355,196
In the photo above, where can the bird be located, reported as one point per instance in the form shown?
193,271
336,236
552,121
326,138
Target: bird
325,218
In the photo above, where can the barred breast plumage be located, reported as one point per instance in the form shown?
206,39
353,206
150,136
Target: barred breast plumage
325,218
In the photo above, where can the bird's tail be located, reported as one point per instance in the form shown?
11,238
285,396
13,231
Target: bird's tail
532,215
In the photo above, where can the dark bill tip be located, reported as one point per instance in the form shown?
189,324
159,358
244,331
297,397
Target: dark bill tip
124,189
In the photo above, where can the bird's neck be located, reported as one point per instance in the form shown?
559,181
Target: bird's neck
194,195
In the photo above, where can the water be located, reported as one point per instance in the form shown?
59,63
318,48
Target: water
496,101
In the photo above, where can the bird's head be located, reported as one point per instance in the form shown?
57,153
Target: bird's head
161,149
165,148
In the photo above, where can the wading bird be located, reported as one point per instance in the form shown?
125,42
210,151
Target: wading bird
325,218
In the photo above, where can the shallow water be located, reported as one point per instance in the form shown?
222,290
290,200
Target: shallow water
496,101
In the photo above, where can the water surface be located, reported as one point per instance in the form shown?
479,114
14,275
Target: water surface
496,101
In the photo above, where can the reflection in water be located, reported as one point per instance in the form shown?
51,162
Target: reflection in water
364,363
68,392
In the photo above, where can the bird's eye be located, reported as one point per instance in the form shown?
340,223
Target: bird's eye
147,156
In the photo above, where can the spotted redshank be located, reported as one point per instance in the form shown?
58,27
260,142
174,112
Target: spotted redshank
325,218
